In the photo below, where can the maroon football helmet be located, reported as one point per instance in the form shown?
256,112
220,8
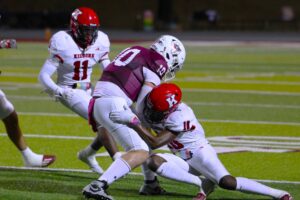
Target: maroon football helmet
84,26
161,101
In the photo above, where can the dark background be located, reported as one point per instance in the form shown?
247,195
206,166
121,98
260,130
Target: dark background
175,15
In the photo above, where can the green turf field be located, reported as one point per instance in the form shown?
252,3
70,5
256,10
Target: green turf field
247,97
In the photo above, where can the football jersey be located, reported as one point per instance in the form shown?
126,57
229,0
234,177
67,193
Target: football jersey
74,64
127,69
184,123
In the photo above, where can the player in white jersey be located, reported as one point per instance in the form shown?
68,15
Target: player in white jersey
11,122
178,127
72,56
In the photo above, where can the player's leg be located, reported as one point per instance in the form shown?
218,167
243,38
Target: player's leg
11,123
172,167
78,102
207,162
136,149
151,184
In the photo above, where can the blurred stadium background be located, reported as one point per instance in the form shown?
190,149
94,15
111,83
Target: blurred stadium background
140,20
237,89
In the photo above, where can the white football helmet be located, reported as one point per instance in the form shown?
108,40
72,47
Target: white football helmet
173,51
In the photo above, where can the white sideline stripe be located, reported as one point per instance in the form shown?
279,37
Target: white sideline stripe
54,136
242,91
243,105
26,85
191,103
213,80
131,173
201,120
250,122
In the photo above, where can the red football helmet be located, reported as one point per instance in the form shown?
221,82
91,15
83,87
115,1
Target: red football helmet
84,26
161,101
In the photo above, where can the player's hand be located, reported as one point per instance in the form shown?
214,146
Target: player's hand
126,117
64,93
8,44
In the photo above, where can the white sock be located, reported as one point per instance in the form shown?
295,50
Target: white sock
115,171
248,185
117,155
31,159
148,174
172,171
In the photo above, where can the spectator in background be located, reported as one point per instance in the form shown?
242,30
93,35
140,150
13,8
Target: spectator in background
287,13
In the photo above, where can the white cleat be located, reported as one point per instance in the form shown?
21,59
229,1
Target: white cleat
90,161
40,161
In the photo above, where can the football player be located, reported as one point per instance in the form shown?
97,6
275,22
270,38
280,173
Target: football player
127,80
178,127
10,119
73,54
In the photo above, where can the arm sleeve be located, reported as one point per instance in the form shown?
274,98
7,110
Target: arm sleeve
45,74
105,61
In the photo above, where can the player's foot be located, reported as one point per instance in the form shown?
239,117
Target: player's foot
90,161
43,161
200,196
152,188
286,197
96,190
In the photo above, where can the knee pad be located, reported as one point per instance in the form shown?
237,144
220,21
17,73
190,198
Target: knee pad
6,108
228,182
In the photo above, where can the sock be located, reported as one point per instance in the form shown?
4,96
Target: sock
117,155
247,185
88,151
31,159
172,171
148,174
115,171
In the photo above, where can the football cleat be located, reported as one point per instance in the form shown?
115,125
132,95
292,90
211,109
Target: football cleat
286,197
40,161
90,161
48,160
200,196
96,190
152,188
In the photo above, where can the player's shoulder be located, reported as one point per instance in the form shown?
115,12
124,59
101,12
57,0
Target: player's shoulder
60,40
102,39
182,113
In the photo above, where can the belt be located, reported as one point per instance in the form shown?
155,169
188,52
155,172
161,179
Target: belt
83,86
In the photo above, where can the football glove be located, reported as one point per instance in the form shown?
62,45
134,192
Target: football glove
8,44
126,117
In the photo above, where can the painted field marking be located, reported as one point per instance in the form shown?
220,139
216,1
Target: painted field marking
222,144
131,173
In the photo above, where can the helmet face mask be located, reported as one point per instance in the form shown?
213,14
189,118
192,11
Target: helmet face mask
173,51
84,26
161,102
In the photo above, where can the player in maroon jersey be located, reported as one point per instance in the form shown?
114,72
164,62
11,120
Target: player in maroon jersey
127,80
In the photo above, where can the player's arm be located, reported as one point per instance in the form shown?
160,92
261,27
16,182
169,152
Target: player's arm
104,61
48,69
154,142
128,118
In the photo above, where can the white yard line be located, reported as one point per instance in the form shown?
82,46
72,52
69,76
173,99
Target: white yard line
132,173
242,91
201,120
213,80
243,105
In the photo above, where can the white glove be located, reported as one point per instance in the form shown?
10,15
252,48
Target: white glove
8,44
64,93
126,117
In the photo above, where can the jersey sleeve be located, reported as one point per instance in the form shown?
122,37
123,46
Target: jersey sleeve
56,47
104,42
180,121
